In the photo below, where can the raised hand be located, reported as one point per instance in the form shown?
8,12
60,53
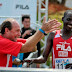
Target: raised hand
51,25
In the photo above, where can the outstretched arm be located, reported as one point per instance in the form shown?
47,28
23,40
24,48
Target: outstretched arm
47,27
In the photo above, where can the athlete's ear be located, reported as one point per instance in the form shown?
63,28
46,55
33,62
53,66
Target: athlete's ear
62,18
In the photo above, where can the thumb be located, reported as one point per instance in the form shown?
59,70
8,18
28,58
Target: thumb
44,20
49,19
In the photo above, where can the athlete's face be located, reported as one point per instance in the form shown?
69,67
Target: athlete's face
67,20
26,23
14,33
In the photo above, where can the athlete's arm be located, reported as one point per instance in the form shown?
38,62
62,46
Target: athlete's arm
46,51
49,45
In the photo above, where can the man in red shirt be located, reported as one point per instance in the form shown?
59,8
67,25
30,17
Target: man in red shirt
60,42
10,45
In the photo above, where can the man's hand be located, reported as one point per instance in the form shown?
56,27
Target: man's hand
17,61
50,26
27,32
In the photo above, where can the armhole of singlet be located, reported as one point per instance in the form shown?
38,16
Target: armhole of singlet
57,32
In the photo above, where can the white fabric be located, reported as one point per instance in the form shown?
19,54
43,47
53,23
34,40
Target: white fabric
8,58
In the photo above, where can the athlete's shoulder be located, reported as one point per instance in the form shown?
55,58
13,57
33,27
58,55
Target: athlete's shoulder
52,33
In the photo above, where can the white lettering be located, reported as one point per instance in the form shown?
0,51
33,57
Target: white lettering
69,48
62,46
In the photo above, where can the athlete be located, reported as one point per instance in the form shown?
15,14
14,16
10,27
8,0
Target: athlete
60,42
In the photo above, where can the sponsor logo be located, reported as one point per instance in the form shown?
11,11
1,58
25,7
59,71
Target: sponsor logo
62,61
22,7
63,53
62,46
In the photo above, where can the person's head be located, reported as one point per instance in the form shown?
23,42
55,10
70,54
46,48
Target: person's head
26,21
10,29
67,19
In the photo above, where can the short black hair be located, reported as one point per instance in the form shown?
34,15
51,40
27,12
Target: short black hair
67,11
25,16
5,24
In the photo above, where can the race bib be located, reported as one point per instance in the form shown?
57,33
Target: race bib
60,63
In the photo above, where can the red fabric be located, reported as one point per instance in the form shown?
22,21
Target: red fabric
60,46
21,40
8,47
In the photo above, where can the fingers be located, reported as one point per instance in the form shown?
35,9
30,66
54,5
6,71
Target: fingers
44,20
50,25
52,30
52,22
53,27
56,25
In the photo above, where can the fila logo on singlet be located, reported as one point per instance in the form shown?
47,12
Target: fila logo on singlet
62,46
64,50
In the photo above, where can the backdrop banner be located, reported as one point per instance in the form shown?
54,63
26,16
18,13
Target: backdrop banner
17,8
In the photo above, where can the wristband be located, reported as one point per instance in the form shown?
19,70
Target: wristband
45,34
42,31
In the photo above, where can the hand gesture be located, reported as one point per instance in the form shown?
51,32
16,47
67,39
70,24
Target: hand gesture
50,26
27,32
